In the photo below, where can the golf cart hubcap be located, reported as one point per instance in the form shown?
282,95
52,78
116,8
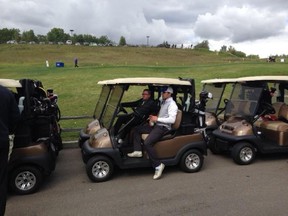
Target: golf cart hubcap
192,161
25,180
100,169
246,154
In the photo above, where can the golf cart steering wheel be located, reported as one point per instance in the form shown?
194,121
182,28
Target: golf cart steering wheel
122,109
135,112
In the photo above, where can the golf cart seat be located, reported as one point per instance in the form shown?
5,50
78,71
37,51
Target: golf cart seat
172,132
281,116
277,130
277,106
274,116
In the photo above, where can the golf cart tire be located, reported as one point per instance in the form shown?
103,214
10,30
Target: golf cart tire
99,168
191,161
25,180
243,153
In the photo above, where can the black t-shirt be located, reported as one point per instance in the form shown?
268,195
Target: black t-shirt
9,114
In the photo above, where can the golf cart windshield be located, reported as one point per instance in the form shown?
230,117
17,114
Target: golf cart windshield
104,96
110,110
244,101
217,92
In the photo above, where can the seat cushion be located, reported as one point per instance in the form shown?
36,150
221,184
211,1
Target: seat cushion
277,106
275,126
283,112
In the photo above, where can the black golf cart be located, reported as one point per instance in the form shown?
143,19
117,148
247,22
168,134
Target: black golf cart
37,141
215,106
94,125
103,150
256,121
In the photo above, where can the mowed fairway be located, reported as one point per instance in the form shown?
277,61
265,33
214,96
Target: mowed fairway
77,87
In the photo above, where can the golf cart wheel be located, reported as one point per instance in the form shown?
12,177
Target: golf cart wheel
191,161
25,180
243,153
99,168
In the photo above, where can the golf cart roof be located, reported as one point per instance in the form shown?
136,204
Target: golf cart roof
145,81
10,83
218,80
248,79
263,78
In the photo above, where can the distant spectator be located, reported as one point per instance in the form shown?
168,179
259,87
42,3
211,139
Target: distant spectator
76,62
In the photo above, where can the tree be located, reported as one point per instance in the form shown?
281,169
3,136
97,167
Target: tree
57,35
164,44
223,48
41,38
89,38
104,40
78,38
9,34
122,41
28,36
233,51
203,45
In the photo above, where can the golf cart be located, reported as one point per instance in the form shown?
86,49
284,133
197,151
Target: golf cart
182,145
215,106
256,121
94,125
37,140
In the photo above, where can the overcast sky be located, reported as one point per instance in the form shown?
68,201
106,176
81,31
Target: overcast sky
252,26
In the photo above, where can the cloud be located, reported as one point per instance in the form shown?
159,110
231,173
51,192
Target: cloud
239,24
235,22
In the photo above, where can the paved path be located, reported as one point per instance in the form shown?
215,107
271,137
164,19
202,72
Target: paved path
220,188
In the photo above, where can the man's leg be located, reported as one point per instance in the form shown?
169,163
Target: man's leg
130,124
138,131
120,121
154,136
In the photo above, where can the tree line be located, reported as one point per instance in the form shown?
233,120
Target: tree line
55,35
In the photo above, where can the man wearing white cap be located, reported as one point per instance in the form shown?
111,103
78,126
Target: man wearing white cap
161,125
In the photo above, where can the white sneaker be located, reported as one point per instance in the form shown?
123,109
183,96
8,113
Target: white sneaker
158,171
135,154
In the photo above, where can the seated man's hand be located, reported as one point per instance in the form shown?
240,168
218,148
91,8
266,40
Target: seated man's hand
153,118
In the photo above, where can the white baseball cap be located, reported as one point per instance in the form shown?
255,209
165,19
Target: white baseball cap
168,89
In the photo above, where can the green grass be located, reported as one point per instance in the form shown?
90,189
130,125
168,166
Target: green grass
77,87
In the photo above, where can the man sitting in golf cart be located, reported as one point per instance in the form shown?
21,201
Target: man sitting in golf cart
142,109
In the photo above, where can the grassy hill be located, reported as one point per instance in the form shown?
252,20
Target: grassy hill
77,87
93,56
99,63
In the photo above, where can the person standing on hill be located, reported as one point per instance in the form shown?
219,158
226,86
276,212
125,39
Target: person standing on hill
76,62
9,115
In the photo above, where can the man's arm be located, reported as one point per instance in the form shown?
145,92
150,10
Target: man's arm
131,104
172,112
171,115
14,114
